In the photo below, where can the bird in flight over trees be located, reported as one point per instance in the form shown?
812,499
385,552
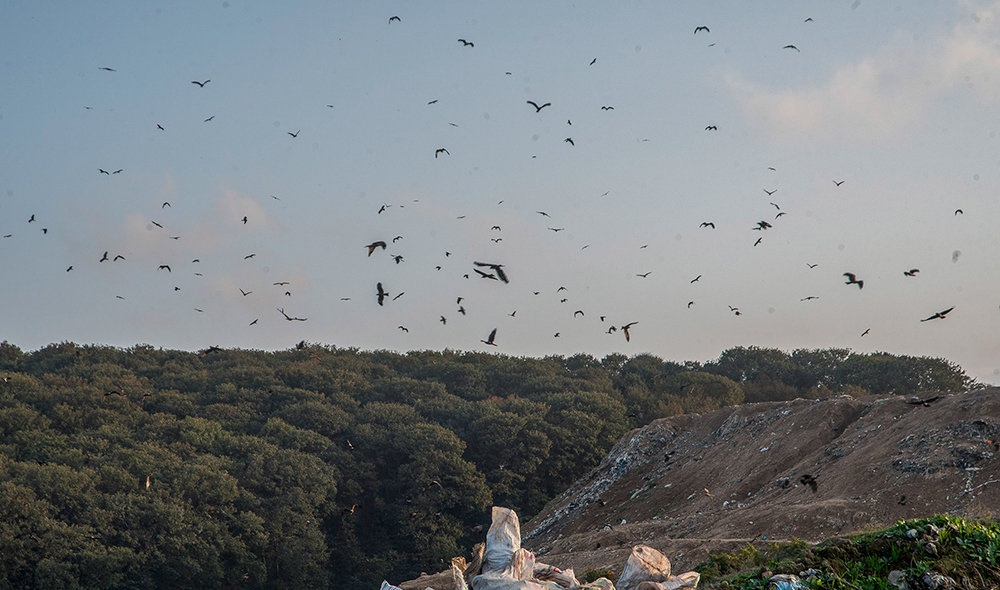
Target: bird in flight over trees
852,279
939,315
290,318
625,328
371,247
538,108
490,339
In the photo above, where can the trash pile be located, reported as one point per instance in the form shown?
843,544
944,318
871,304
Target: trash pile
502,564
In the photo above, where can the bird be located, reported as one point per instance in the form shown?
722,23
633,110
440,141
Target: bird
105,257
374,245
444,320
245,293
165,205
248,256
808,480
569,140
776,206
380,293
396,239
852,279
865,333
466,43
696,278
957,211
490,339
759,240
579,311
200,84
440,151
32,218
701,28
771,192
711,128
281,283
107,69
117,258
69,268
838,182
244,220
780,213
607,108
625,328
398,258
762,225
156,224
542,213
164,266
939,315
403,328
690,303
645,274
707,224
912,272
253,322
539,108
593,61
395,18
555,229
160,127
103,171
791,47
432,101
498,268
296,134
810,297
812,265
288,317
208,119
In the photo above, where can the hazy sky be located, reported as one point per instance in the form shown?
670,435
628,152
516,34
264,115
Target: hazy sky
897,101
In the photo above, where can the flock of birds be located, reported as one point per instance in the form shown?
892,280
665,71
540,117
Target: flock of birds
479,270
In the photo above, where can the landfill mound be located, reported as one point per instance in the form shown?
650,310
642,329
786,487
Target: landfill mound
804,469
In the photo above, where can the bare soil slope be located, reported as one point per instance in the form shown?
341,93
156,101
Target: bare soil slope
692,484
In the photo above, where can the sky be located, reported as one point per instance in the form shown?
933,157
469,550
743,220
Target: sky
863,133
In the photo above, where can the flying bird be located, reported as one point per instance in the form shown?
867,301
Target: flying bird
958,211
490,338
711,128
440,151
466,43
164,266
296,134
498,268
912,272
288,317
200,84
538,108
791,47
625,329
569,140
593,61
838,182
371,247
245,293
607,108
394,18
707,224
381,293
701,28
852,279
865,333
105,257
103,171
762,225
645,274
939,315
208,119
107,69
696,278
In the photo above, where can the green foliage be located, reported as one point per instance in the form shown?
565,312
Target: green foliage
963,549
152,468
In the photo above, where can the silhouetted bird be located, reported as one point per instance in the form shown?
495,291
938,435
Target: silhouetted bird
625,328
371,247
466,43
200,84
380,293
394,18
490,339
701,28
912,272
707,224
939,315
439,151
853,280
791,47
498,268
538,108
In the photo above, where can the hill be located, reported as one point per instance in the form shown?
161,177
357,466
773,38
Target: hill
694,484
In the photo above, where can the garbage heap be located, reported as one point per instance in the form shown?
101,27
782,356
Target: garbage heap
502,564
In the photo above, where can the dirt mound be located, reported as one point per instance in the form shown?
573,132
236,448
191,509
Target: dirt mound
692,484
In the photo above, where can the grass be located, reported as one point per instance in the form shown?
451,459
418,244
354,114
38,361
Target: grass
966,550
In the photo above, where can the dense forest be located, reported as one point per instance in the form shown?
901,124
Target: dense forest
315,466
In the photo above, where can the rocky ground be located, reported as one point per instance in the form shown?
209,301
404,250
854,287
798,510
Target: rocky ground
699,483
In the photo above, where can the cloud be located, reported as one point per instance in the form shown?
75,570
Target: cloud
881,96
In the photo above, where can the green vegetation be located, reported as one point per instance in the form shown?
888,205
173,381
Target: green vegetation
305,468
967,551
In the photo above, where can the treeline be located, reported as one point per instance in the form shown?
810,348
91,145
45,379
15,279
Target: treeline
318,466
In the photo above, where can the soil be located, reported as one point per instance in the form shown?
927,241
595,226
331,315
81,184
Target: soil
696,484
